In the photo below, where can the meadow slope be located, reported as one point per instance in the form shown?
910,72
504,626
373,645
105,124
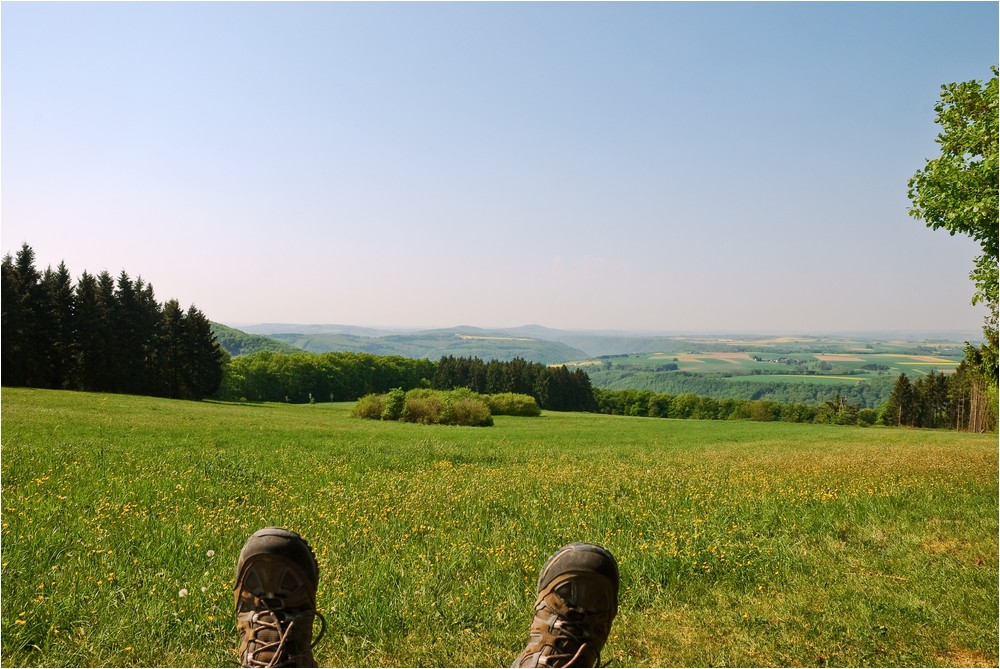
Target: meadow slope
739,543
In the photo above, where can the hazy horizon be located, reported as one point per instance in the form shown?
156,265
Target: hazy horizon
973,333
647,167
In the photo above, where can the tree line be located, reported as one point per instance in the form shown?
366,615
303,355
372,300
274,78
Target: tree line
647,403
343,376
303,377
102,334
111,335
554,388
935,400
871,393
938,400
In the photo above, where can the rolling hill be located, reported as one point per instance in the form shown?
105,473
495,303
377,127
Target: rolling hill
466,342
237,342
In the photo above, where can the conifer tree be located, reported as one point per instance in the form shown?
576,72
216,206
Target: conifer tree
26,357
203,354
899,410
10,325
101,335
173,350
57,315
92,334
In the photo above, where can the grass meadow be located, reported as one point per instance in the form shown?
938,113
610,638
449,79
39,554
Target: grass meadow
739,543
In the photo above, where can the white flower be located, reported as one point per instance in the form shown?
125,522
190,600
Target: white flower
183,592
210,553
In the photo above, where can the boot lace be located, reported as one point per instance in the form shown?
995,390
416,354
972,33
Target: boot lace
273,633
571,637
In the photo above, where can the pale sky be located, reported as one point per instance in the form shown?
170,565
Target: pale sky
680,167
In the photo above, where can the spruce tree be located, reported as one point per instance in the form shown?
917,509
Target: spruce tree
10,324
92,334
899,410
204,356
57,312
27,356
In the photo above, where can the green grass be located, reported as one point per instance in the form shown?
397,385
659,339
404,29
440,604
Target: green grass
739,543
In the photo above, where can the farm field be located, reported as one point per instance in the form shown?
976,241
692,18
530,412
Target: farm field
764,362
739,543
821,379
805,370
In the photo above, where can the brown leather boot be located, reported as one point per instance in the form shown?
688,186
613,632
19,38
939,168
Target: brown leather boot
275,592
577,600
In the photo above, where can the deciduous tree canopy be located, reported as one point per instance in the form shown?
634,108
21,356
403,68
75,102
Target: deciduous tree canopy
959,191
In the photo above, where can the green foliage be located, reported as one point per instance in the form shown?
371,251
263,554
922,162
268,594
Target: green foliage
958,190
936,400
371,406
739,543
456,407
871,392
423,406
867,417
512,404
236,342
466,409
334,377
394,403
972,393
554,388
932,401
762,410
428,407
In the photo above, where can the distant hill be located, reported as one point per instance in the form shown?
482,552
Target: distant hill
269,329
434,344
236,342
338,337
463,341
550,346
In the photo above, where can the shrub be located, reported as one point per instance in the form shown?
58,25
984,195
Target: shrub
394,402
423,406
369,406
512,404
763,410
458,407
465,410
867,417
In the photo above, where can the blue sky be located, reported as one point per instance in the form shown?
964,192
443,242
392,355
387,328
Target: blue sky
694,167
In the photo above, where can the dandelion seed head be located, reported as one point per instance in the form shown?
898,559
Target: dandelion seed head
183,592
210,553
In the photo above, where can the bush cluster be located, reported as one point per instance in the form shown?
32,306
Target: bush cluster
430,407
554,388
512,404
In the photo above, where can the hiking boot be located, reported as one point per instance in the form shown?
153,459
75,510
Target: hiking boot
275,591
577,600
